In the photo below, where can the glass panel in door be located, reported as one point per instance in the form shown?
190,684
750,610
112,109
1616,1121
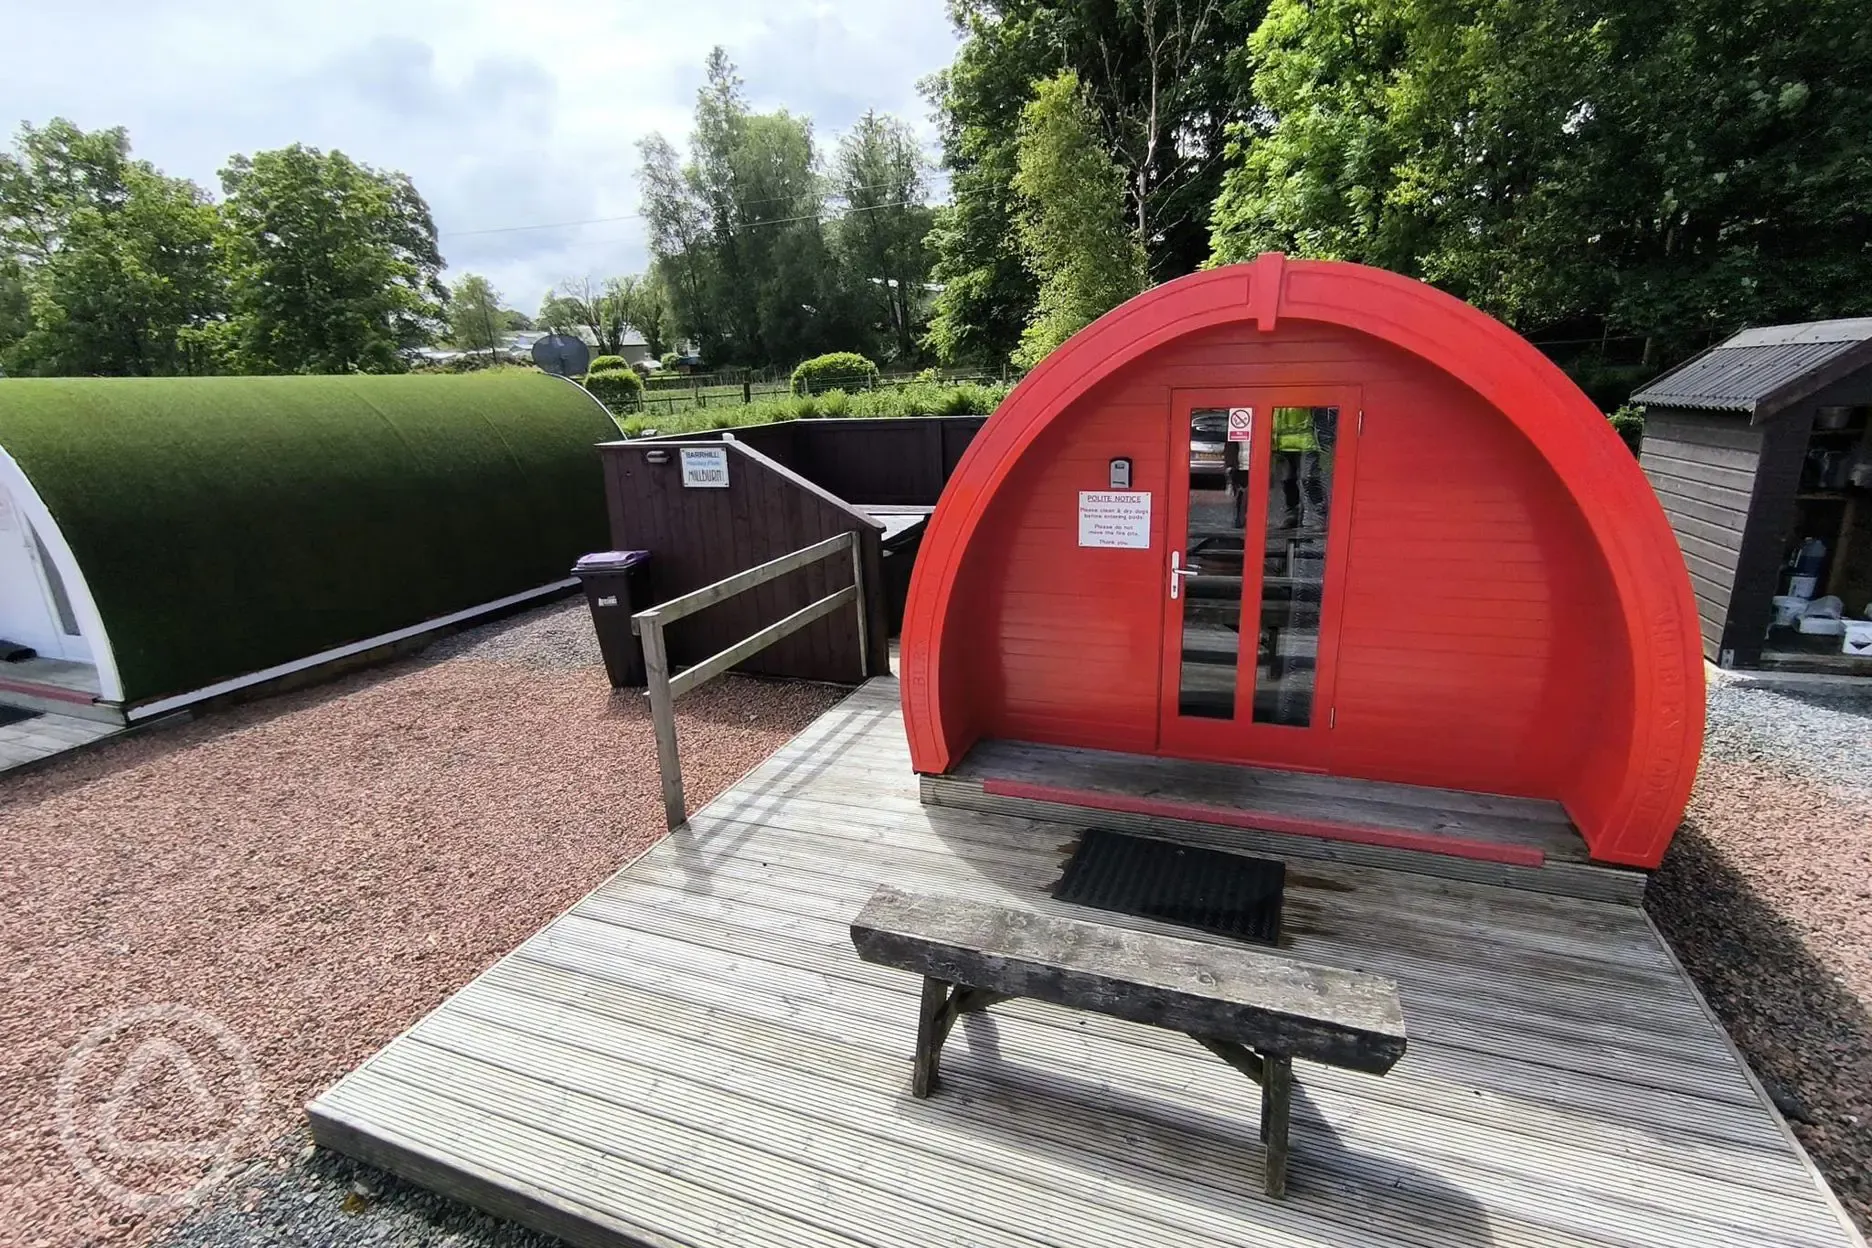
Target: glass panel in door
1302,443
1209,568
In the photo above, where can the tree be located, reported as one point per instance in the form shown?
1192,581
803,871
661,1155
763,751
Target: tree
1070,218
583,303
333,265
15,305
738,231
679,240
644,305
475,319
1662,172
105,263
880,239
1157,73
557,314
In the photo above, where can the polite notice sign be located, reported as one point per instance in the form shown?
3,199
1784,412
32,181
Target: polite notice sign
705,467
1115,519
1241,424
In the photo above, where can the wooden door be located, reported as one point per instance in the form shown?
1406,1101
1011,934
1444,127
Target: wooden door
1257,540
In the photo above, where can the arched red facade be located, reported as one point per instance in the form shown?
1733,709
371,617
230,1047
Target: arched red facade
1506,609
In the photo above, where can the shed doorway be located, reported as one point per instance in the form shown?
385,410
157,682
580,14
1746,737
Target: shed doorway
1257,539
34,607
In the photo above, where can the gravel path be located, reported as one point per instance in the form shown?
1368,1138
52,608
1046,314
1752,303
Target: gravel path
1767,897
283,887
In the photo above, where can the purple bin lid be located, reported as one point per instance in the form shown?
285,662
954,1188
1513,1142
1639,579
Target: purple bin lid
610,561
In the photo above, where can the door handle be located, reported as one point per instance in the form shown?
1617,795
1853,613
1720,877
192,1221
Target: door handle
1177,573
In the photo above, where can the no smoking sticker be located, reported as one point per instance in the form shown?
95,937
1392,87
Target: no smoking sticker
1241,424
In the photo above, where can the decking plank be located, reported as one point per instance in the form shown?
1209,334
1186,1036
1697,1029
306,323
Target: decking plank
694,1055
1518,820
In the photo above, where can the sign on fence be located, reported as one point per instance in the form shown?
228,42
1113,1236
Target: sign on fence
705,467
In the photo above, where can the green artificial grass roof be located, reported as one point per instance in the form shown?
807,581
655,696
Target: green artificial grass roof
229,524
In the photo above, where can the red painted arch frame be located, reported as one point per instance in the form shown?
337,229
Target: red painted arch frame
1651,783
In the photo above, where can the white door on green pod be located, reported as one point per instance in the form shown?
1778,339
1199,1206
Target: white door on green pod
27,616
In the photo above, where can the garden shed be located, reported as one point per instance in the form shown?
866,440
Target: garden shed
1420,572
164,539
1758,449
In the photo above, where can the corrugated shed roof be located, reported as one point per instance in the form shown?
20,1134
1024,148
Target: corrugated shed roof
1755,365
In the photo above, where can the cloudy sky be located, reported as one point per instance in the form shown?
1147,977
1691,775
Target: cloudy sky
505,114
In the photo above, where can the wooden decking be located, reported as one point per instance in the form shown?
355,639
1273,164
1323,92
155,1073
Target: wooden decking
694,1055
1486,838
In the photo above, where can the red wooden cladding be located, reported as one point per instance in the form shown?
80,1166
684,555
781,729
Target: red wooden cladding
1512,614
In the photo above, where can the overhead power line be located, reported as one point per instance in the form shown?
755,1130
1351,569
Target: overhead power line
634,216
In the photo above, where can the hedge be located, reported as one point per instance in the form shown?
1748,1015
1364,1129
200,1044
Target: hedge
841,370
617,388
229,524
918,399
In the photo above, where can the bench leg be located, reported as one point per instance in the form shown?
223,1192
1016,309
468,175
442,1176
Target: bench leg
1276,1101
932,1030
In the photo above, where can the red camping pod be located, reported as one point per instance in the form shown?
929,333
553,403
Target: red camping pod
1318,517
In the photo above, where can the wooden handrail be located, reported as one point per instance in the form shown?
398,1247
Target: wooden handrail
729,586
665,688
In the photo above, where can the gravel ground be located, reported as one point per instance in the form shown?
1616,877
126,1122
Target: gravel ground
275,891
305,1197
1766,895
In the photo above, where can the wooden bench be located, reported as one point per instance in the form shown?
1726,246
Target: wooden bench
1257,1011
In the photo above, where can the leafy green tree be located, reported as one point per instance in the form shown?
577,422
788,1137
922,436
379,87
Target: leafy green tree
1658,171
333,265
1312,173
1070,217
678,225
738,230
586,304
104,261
475,319
1158,74
512,319
557,314
880,239
644,305
15,305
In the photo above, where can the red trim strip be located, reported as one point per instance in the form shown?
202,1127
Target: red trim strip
1325,829
56,692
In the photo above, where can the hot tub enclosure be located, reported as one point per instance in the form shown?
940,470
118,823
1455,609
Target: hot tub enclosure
1497,604
207,529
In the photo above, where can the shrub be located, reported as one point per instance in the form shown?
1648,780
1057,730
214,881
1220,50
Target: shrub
1628,423
616,388
670,359
835,404
607,364
841,370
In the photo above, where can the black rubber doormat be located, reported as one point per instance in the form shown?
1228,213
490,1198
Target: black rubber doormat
14,715
1226,894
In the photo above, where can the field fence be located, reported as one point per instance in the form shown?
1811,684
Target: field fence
733,387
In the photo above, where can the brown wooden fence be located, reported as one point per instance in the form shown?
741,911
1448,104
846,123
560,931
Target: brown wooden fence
698,536
886,461
789,485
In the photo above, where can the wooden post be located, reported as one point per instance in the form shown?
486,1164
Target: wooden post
1276,1101
864,608
930,1032
747,389
663,719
